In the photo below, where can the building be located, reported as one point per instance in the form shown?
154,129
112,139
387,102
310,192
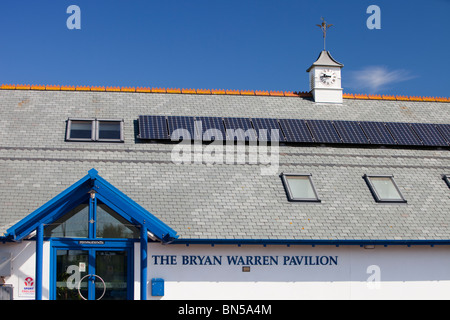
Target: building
269,195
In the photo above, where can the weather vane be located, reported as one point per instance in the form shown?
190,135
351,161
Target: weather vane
324,26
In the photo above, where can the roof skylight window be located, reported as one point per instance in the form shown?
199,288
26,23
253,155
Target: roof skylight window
446,178
299,187
95,130
81,130
384,188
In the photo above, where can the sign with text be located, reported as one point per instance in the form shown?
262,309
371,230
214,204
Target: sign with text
199,260
26,287
99,242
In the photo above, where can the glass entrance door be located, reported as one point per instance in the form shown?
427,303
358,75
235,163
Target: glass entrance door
71,265
93,274
112,267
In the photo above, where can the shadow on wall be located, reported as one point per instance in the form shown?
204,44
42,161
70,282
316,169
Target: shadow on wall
23,266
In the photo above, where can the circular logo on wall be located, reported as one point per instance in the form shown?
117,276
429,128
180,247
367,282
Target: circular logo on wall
29,282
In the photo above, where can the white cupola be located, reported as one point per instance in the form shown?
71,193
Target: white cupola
325,79
325,74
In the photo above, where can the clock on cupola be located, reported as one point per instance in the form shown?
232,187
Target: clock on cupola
325,75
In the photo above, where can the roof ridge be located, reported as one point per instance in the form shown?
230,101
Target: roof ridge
302,94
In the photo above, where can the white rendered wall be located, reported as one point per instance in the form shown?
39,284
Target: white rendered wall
23,265
419,272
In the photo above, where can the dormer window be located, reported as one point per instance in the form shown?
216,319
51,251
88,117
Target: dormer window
103,130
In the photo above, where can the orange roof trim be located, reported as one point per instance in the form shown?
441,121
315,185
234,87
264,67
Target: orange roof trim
37,87
192,91
203,91
83,88
214,91
172,90
141,89
98,89
113,89
54,88
23,87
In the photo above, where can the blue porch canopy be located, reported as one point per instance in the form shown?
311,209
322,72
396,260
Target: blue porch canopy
107,193
74,195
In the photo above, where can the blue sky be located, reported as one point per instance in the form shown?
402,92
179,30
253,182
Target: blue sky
247,44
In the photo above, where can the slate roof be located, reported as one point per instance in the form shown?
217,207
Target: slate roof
225,201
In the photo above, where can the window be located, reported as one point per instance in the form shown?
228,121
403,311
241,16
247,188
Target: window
82,130
85,221
446,178
384,188
111,225
72,225
299,187
94,130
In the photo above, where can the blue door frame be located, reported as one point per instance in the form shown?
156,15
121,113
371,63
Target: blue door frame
91,247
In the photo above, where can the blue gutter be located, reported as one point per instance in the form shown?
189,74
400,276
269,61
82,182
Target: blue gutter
310,242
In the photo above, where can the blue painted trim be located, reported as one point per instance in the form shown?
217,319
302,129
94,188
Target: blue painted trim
144,246
39,261
92,214
91,270
309,242
116,208
63,209
117,200
75,194
52,290
46,212
70,243
110,245
93,173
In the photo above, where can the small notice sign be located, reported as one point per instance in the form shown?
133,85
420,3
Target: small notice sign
26,287
91,242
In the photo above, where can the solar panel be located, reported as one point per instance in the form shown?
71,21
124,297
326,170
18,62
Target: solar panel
181,127
295,130
153,127
239,129
323,131
403,133
444,129
211,128
429,134
351,132
266,127
377,133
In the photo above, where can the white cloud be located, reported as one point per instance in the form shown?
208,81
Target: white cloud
376,78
